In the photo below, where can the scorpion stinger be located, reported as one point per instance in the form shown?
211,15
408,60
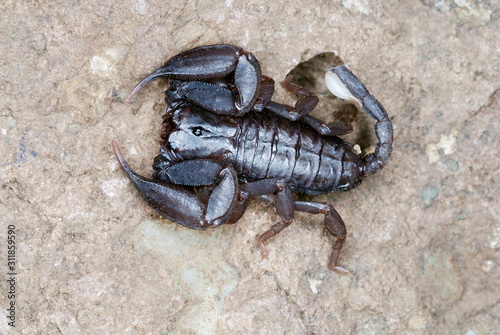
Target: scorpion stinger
345,85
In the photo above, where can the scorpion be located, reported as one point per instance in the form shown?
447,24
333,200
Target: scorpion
224,141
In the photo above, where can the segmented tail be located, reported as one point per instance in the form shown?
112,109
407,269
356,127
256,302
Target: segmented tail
345,85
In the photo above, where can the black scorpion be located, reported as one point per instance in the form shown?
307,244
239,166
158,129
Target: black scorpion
223,141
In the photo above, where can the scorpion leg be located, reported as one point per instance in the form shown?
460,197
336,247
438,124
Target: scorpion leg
265,94
333,223
334,226
178,204
240,207
306,103
343,125
283,202
336,128
344,84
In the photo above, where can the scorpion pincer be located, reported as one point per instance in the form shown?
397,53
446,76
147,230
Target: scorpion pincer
224,140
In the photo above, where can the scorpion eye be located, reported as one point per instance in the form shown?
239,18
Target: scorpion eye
198,131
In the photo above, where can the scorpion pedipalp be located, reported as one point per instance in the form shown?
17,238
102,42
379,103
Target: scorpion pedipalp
179,204
208,63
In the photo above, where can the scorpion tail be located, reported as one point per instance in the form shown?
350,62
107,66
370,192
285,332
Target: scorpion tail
345,85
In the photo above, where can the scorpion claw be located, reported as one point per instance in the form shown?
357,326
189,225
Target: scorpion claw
202,63
171,201
247,80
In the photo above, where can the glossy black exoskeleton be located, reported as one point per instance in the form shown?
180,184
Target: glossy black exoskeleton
224,141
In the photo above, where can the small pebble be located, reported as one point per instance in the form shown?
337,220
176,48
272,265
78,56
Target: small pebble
38,43
429,194
451,165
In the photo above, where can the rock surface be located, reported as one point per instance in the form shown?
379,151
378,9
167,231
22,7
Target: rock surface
423,234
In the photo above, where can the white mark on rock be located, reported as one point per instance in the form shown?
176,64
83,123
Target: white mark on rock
494,242
88,287
488,265
417,322
359,6
112,187
315,285
470,11
447,145
442,6
142,6
104,63
7,122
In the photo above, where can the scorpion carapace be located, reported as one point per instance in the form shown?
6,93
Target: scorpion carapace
224,140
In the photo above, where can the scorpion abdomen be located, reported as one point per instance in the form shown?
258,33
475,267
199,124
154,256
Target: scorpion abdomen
271,147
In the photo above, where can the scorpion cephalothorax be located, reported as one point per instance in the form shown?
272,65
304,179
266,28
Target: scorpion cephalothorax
224,141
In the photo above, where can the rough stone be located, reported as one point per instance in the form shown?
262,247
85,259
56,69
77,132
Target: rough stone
92,258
